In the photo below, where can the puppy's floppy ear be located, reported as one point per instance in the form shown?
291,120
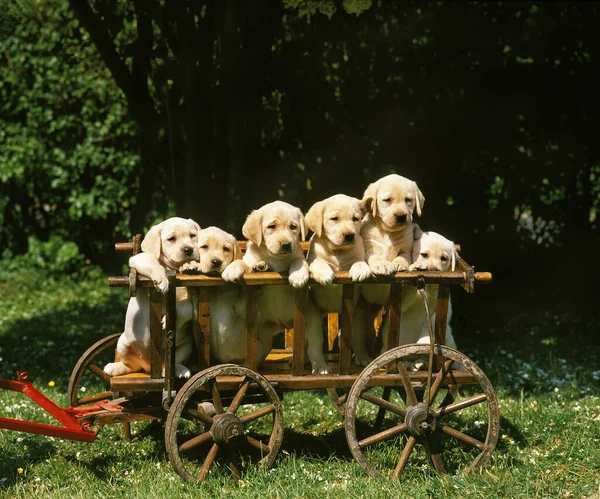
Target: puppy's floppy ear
302,223
194,224
252,229
364,207
314,218
370,198
454,257
419,198
152,243
417,232
237,251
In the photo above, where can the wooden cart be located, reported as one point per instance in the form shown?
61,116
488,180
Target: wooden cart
231,415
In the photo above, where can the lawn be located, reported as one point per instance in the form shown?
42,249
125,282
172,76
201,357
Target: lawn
540,352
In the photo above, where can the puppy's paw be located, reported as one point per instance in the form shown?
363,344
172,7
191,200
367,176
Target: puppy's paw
261,266
383,268
161,284
190,268
234,271
182,372
400,263
299,278
318,368
116,369
416,365
418,266
322,275
360,271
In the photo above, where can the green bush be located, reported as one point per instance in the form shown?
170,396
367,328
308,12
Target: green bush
45,262
69,148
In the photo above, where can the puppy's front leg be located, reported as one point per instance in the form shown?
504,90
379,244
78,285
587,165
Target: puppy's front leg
234,271
321,271
148,266
380,266
299,273
360,271
402,261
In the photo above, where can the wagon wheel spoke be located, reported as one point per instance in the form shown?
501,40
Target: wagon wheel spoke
463,404
382,435
403,459
411,397
259,413
210,459
94,369
387,391
97,397
383,403
434,447
216,396
195,442
234,465
437,384
199,415
257,444
235,403
448,430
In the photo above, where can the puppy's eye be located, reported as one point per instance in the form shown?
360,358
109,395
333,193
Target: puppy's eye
226,249
444,258
193,236
408,200
387,200
355,219
172,239
272,226
204,247
334,219
425,255
293,226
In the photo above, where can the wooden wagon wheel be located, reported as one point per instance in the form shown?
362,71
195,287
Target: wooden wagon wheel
244,427
338,397
88,372
452,434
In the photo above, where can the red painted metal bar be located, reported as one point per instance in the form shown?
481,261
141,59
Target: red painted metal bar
73,429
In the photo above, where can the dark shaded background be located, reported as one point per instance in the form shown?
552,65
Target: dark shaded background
208,109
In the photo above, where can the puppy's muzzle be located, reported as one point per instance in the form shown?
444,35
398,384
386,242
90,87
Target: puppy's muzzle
401,218
349,237
216,263
188,251
285,247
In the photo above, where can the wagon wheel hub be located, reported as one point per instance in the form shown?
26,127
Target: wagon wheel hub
419,421
226,427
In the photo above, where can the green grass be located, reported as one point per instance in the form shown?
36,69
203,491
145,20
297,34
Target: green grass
541,355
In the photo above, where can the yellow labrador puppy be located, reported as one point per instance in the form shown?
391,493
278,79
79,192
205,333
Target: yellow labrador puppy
335,245
388,232
167,245
431,252
274,232
220,254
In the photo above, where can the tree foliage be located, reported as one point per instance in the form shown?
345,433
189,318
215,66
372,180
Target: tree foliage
69,148
131,111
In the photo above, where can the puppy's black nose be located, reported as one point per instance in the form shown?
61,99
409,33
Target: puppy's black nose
216,262
349,238
401,219
188,250
286,247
